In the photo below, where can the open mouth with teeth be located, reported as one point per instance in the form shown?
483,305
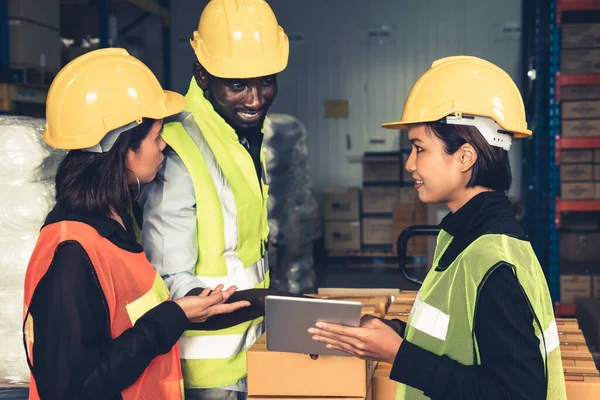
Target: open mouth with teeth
250,115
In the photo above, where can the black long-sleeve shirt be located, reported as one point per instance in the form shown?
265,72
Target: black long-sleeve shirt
74,356
511,362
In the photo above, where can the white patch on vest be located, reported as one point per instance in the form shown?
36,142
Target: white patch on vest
243,278
216,347
429,319
550,338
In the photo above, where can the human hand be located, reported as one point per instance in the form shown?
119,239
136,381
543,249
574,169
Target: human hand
206,304
373,340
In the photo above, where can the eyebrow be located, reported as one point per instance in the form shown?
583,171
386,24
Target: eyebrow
415,140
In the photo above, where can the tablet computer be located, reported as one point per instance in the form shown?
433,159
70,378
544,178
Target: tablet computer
288,320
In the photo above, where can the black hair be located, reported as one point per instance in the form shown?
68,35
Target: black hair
492,168
97,182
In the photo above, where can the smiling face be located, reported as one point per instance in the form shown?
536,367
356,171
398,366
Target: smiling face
439,177
147,159
242,103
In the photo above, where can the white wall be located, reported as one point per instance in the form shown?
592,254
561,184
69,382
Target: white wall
336,59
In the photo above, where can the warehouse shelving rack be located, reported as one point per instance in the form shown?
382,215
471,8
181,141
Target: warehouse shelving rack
551,143
16,90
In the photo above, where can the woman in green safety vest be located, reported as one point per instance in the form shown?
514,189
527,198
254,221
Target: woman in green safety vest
482,326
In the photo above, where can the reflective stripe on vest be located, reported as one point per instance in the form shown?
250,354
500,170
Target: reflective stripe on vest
208,347
131,287
232,230
237,274
443,316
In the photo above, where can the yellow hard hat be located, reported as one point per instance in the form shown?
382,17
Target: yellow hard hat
99,92
465,85
240,39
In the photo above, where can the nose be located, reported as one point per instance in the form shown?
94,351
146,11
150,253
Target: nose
411,162
254,100
162,144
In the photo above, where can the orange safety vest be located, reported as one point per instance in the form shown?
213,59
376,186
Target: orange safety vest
131,287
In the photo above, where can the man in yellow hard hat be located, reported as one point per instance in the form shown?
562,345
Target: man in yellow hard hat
206,222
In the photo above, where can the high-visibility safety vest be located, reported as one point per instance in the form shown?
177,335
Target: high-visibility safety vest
232,230
131,287
443,316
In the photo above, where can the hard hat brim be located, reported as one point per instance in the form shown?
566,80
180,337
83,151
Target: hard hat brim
406,124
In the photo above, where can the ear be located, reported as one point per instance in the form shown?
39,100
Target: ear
201,76
466,157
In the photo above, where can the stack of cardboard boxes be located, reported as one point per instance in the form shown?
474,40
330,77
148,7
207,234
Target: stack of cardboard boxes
34,36
580,168
388,205
274,375
341,212
580,275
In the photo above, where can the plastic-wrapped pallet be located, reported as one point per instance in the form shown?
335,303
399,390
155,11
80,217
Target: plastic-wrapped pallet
27,171
294,216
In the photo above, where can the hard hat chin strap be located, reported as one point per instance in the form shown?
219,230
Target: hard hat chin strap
110,138
490,130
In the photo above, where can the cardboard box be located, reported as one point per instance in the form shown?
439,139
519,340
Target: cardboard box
575,352
400,307
396,315
342,235
377,231
382,169
273,373
580,92
575,338
582,365
580,109
596,287
341,204
405,215
576,156
359,292
578,247
44,12
572,323
580,61
406,296
576,172
580,35
580,128
578,191
383,387
573,286
33,45
582,386
379,199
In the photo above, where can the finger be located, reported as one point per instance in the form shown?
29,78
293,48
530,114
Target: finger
335,339
333,347
340,329
338,345
205,292
231,290
218,289
214,299
333,335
